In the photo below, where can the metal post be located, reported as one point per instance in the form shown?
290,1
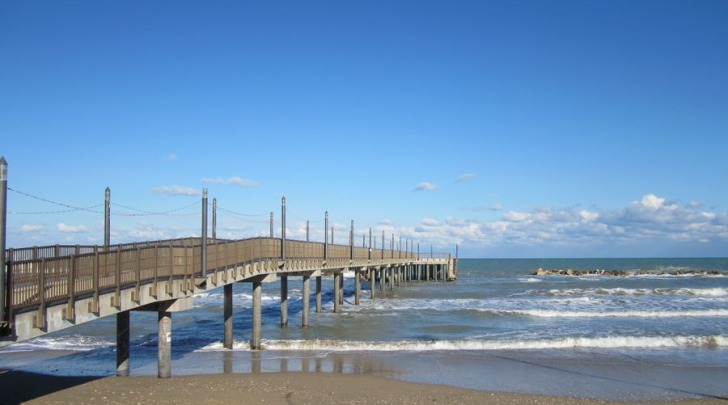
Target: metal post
383,242
3,234
283,228
204,233
392,246
308,234
107,218
326,236
351,241
370,244
271,224
332,234
214,219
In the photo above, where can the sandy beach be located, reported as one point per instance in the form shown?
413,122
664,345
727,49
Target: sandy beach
263,388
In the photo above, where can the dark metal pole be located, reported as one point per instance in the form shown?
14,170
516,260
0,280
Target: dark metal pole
107,218
214,219
308,234
204,233
3,234
283,228
326,236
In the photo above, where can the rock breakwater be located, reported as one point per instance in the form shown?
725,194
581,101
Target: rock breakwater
625,273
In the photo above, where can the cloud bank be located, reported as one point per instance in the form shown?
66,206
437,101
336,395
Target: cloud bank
652,225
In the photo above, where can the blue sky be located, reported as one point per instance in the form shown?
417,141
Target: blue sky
515,129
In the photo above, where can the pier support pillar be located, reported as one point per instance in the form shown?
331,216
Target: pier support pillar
306,297
164,350
318,294
284,300
382,278
341,288
372,281
228,316
257,315
337,291
122,344
357,287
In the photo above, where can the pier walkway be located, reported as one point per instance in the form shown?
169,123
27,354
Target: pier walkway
47,289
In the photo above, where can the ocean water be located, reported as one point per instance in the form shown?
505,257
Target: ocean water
659,331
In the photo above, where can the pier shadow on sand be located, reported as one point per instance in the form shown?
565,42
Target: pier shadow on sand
22,386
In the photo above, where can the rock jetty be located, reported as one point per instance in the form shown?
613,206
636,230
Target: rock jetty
624,273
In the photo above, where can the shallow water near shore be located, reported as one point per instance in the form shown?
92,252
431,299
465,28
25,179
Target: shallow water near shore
654,335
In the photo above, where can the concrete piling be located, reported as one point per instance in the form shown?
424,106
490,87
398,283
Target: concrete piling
122,344
164,356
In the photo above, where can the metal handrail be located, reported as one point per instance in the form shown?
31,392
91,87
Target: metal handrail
74,271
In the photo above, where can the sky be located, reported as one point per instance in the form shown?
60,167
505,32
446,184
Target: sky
510,128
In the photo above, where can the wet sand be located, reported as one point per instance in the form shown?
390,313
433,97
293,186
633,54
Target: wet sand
262,388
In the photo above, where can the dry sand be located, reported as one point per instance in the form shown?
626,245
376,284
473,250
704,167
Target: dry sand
266,388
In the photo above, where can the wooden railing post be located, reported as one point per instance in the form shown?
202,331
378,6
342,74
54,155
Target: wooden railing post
70,309
40,318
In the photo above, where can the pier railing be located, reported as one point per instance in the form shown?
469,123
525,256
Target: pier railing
49,275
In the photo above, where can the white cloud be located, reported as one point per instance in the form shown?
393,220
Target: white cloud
516,216
233,181
31,228
177,190
651,224
496,207
651,201
588,216
466,177
61,227
172,157
426,186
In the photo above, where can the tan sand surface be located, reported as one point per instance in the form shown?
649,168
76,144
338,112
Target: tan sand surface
265,388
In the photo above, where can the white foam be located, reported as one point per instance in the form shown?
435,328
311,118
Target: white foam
540,313
68,342
702,292
614,342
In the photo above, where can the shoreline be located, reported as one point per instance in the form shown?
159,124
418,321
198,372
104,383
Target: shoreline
590,376
269,388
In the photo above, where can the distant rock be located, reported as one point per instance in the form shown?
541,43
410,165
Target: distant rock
624,273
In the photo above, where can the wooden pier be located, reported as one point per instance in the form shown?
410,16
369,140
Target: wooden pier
47,289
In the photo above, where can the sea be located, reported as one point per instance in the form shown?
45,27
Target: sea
645,329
